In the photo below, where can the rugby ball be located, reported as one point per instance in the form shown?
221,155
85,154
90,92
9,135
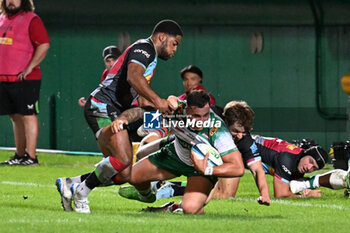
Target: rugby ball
201,149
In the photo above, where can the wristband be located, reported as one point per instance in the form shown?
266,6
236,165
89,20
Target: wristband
208,171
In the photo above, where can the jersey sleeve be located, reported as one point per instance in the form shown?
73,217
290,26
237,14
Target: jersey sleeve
38,33
142,54
249,150
223,141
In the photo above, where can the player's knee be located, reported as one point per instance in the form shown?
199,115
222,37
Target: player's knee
192,207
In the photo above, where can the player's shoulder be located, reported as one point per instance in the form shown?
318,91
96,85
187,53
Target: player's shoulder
217,123
144,47
288,161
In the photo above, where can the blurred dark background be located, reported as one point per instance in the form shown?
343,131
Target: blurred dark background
285,58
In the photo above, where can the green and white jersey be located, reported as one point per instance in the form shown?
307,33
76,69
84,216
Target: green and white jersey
214,133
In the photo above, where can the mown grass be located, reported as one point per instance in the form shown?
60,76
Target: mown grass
29,202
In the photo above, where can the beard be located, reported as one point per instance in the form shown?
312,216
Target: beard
12,11
163,54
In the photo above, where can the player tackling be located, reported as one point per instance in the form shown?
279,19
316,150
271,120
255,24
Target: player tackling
175,159
127,81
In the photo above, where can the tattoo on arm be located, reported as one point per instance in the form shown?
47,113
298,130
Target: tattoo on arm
133,114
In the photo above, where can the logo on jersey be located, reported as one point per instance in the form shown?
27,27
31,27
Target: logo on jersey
286,169
151,120
253,148
142,51
30,106
213,131
291,147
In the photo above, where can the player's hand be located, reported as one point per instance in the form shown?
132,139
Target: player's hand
172,101
82,102
312,193
24,73
163,106
199,164
263,200
118,124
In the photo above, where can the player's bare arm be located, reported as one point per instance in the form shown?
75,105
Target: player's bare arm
281,190
38,57
139,83
128,116
232,167
260,180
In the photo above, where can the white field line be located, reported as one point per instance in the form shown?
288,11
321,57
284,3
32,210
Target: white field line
303,204
279,201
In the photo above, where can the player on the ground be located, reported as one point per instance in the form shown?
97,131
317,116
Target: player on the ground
128,79
175,159
281,159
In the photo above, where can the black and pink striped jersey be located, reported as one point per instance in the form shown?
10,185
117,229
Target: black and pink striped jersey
115,90
279,158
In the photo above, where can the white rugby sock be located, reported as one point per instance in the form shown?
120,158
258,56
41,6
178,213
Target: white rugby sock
338,179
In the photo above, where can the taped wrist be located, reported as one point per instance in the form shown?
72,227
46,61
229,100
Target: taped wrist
208,171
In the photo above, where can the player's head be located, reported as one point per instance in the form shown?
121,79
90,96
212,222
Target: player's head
198,107
312,159
12,7
167,35
110,54
192,77
238,118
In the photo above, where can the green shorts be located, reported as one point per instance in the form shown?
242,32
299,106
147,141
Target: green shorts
167,159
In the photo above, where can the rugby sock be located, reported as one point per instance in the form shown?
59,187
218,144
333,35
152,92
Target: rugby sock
77,179
117,180
83,177
108,168
314,181
339,179
178,190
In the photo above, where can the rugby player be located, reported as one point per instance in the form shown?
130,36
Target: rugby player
175,159
128,79
261,155
283,160
110,55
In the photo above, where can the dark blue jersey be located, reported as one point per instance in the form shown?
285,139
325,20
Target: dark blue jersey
115,90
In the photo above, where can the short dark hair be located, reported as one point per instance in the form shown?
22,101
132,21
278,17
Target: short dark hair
26,5
169,27
240,112
192,69
197,98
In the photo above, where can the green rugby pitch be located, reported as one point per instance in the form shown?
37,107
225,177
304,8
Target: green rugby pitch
29,202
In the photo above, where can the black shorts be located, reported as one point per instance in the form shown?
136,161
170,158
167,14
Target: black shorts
99,115
20,97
